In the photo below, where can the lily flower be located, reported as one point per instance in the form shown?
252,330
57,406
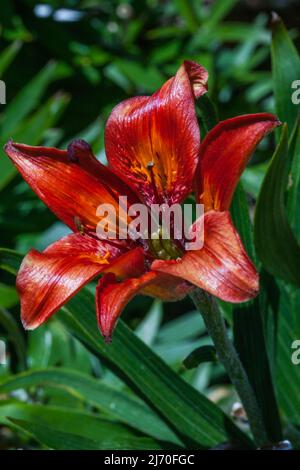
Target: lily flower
154,156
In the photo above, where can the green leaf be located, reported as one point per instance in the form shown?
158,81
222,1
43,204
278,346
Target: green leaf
14,335
251,345
287,371
8,296
172,353
54,439
275,242
241,219
182,328
149,326
10,260
249,335
144,78
27,100
252,178
8,55
285,70
63,429
33,130
218,11
117,404
200,355
293,199
208,112
58,440
40,345
113,73
187,11
189,412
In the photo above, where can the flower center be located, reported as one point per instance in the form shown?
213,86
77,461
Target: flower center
163,248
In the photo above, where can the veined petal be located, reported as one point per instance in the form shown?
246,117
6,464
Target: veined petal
112,296
71,183
167,288
153,142
128,265
222,266
47,280
224,153
198,77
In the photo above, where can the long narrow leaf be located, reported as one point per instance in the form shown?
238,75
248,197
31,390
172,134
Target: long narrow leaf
288,368
115,403
293,199
62,428
249,331
8,55
275,242
192,415
33,130
285,70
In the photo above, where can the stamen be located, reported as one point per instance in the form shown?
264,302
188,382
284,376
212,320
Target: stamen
150,166
104,259
163,248
79,225
171,248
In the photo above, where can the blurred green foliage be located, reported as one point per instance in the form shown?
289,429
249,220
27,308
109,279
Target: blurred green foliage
65,65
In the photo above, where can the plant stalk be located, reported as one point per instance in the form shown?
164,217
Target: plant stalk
228,355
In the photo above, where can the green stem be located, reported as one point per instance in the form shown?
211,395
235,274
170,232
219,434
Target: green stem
227,354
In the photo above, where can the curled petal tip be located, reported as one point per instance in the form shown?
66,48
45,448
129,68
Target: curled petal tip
8,145
275,119
28,326
107,339
198,76
255,288
78,148
274,19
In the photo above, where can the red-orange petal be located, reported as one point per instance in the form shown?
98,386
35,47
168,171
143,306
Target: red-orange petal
221,267
153,142
112,296
47,280
224,153
71,183
167,288
128,265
